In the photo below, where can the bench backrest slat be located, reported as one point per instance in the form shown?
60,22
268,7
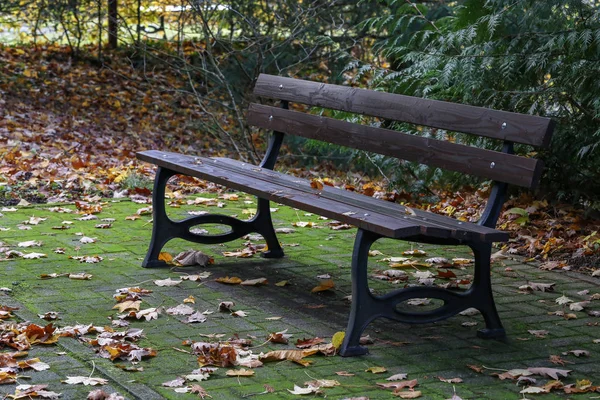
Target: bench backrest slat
518,128
471,160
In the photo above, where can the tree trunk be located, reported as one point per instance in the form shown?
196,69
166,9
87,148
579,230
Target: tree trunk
112,23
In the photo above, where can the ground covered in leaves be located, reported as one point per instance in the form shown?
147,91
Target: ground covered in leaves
70,129
80,317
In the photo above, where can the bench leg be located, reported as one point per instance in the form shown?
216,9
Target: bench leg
263,224
161,223
364,307
165,229
482,292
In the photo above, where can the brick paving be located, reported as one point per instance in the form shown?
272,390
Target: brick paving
424,352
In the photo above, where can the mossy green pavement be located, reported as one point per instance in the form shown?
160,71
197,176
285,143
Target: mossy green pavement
424,352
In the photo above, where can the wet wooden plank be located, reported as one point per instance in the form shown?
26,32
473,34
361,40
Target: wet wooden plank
367,213
429,222
212,170
484,163
503,125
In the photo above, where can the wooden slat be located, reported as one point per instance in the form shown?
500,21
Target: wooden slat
470,160
514,127
352,200
389,220
212,170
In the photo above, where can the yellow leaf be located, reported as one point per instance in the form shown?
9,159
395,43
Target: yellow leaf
190,299
128,305
316,184
240,372
282,283
376,370
164,256
338,339
234,280
325,285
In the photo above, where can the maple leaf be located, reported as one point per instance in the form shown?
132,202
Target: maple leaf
128,306
307,343
181,309
563,300
551,372
195,317
399,385
302,391
279,337
85,380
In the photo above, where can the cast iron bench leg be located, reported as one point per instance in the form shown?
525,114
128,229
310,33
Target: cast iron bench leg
364,307
263,224
165,229
482,292
161,223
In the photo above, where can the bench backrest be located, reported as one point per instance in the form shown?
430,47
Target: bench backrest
498,166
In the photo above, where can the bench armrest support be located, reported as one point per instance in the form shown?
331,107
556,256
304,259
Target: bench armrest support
275,141
497,197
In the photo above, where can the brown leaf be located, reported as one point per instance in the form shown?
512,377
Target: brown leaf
551,372
234,280
324,285
408,394
398,385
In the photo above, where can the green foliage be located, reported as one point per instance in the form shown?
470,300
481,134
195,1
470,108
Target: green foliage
536,57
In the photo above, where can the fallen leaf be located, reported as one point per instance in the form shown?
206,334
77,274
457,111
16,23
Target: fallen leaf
85,380
255,282
450,380
193,257
31,256
240,372
540,333
301,391
551,372
167,282
563,300
376,370
324,285
408,394
30,243
397,377
234,280
181,309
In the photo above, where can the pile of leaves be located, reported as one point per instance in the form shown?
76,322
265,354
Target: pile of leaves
71,129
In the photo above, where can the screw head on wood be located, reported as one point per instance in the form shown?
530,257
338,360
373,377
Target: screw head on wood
504,125
270,118
492,164
280,87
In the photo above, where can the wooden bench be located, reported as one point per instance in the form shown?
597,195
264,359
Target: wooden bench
374,218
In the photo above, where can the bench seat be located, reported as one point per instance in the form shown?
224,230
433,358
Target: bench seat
388,219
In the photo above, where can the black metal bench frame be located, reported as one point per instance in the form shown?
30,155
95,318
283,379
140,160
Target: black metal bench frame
378,219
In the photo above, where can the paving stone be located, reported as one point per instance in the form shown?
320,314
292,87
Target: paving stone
423,351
